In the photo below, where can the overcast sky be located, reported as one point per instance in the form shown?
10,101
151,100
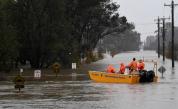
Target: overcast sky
143,12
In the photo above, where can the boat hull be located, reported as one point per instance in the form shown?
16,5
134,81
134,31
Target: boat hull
104,77
113,77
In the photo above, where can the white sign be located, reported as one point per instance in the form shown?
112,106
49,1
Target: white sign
21,70
74,65
37,74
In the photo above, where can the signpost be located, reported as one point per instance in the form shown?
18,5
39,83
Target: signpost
21,71
162,69
19,81
74,67
56,68
37,74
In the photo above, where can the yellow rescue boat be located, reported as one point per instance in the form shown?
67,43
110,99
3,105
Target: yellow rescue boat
113,77
134,77
104,77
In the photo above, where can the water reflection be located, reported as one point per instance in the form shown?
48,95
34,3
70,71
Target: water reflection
173,70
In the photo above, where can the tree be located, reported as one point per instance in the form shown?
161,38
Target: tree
94,19
42,28
60,30
8,38
124,39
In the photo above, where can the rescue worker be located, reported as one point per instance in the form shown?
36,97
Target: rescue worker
110,69
141,65
122,68
133,65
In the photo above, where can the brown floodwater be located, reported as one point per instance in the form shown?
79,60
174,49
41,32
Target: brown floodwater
79,92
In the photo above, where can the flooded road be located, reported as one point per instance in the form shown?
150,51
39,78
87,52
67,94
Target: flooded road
86,94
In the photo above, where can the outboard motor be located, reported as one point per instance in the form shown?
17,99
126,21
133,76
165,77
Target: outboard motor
146,76
142,76
150,76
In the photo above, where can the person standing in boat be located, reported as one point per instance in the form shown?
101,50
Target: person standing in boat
122,68
141,65
110,69
133,65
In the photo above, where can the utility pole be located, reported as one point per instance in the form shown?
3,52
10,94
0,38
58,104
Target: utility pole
172,5
158,37
158,25
163,36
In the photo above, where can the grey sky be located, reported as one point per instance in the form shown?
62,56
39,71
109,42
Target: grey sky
143,12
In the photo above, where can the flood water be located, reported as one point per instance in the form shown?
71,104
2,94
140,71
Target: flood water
86,94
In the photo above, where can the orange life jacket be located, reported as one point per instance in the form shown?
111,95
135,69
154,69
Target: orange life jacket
133,65
122,69
110,69
141,66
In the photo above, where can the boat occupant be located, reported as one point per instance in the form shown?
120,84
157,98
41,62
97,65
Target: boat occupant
133,65
141,65
122,68
110,69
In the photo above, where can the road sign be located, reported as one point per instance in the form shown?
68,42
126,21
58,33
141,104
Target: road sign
21,70
37,74
162,69
74,65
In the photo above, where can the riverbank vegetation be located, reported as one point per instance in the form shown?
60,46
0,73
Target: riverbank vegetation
41,32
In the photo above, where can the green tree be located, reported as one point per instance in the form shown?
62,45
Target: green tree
42,28
8,38
62,30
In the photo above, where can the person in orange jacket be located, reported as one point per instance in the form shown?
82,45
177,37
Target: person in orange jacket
122,68
141,65
110,69
133,65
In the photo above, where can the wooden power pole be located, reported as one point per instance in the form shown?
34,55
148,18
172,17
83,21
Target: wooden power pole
158,37
163,36
172,5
